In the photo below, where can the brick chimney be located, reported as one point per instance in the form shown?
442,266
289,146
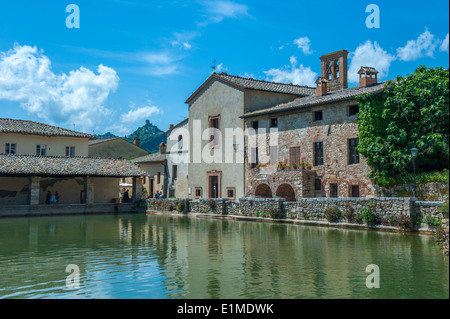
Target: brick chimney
334,69
171,127
322,86
137,141
367,76
162,148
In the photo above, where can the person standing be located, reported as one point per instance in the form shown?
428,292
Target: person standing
48,198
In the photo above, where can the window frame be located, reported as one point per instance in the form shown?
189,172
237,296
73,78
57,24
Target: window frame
174,172
351,109
351,188
273,122
68,151
334,187
214,140
318,160
40,148
10,148
353,154
315,116
233,189
294,154
318,182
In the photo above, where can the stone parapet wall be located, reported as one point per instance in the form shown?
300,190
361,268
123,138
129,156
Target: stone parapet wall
425,192
424,210
217,206
258,206
396,213
443,235
180,205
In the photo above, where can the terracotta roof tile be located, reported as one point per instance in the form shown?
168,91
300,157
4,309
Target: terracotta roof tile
29,127
67,166
308,101
151,158
252,84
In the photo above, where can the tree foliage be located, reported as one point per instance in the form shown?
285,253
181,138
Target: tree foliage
411,112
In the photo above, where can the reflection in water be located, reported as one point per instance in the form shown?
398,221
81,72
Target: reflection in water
162,256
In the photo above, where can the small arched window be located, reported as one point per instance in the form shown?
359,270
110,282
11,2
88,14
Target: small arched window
180,142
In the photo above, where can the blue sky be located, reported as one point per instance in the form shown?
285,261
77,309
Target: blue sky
134,60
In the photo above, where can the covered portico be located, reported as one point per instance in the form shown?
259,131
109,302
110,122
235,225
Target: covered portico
83,184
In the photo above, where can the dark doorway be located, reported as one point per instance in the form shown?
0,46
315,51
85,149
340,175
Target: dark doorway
214,186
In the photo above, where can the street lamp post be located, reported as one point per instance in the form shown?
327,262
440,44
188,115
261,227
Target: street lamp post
414,152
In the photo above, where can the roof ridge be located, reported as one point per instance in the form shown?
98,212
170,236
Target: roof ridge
271,82
63,131
60,156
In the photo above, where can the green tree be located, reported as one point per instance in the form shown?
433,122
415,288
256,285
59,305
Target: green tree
411,112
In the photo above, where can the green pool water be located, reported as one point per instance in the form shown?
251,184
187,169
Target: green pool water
163,256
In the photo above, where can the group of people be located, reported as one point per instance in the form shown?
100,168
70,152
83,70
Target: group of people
159,194
52,198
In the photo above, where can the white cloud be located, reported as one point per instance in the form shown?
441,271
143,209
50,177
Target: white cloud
304,44
292,74
136,114
444,45
61,99
153,63
424,45
369,54
217,11
182,39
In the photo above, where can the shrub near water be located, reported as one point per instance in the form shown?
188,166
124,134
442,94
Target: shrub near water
332,214
275,213
368,215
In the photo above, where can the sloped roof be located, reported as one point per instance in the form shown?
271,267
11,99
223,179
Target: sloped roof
98,141
252,84
35,128
177,125
308,101
67,166
151,158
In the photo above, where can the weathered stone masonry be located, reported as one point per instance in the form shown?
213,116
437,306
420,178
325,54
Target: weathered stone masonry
312,210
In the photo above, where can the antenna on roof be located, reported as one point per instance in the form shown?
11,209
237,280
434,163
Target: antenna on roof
214,67
74,126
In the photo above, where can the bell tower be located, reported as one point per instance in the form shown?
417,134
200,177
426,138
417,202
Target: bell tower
334,70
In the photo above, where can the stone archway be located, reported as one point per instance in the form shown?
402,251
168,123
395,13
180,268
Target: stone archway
287,192
263,191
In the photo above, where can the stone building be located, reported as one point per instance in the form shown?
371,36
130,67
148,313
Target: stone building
177,155
156,171
36,158
217,105
316,155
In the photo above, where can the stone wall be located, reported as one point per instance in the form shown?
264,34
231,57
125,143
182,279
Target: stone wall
302,209
300,181
397,213
425,192
299,129
180,205
259,207
443,235
216,206
425,210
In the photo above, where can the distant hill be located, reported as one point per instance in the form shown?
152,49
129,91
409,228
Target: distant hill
106,136
150,136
